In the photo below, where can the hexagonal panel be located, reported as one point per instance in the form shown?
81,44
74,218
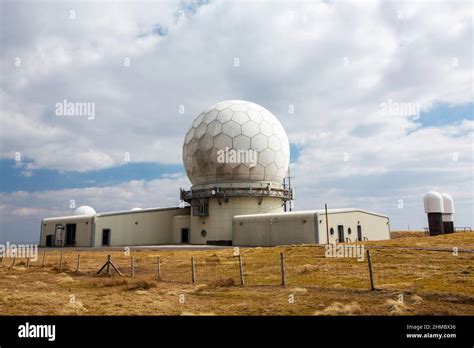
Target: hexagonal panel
188,163
259,142
240,117
255,116
210,116
189,136
213,156
214,128
192,146
241,142
200,131
267,116
225,115
271,170
222,105
257,172
223,172
266,128
274,142
280,159
198,120
280,174
205,143
222,141
241,172
250,128
231,128
239,107
266,157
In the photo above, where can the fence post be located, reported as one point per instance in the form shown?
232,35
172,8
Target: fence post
28,262
108,264
370,271
13,262
158,267
193,270
61,261
132,266
241,270
44,256
283,273
78,262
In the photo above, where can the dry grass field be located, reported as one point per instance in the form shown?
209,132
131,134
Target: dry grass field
409,280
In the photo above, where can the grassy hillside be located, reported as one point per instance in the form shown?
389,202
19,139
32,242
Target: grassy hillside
409,280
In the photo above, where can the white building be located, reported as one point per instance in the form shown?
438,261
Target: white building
236,155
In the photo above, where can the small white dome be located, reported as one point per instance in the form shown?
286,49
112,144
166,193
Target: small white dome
433,202
134,209
448,203
84,210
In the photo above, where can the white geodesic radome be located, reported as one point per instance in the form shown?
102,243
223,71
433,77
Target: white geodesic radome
236,125
84,210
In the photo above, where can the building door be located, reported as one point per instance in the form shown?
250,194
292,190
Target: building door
359,232
49,240
70,234
184,235
106,237
340,233
58,240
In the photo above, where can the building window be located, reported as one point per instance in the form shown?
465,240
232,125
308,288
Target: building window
331,231
203,233
349,231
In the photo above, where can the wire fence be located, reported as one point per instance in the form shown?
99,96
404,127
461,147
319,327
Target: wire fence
289,266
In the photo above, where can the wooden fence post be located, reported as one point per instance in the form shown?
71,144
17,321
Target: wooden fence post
78,262
158,267
108,264
132,266
370,271
241,268
283,273
193,270
61,261
44,256
28,262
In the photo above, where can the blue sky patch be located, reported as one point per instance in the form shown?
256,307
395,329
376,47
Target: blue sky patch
14,179
442,114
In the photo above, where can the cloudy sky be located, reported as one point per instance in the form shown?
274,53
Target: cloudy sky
377,100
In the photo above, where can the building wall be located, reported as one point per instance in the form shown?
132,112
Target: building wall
275,229
306,228
218,225
84,225
138,227
374,227
180,222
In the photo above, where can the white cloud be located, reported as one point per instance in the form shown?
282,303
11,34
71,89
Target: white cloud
21,212
335,62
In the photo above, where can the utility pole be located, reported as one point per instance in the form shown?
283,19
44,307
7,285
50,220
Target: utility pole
289,189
